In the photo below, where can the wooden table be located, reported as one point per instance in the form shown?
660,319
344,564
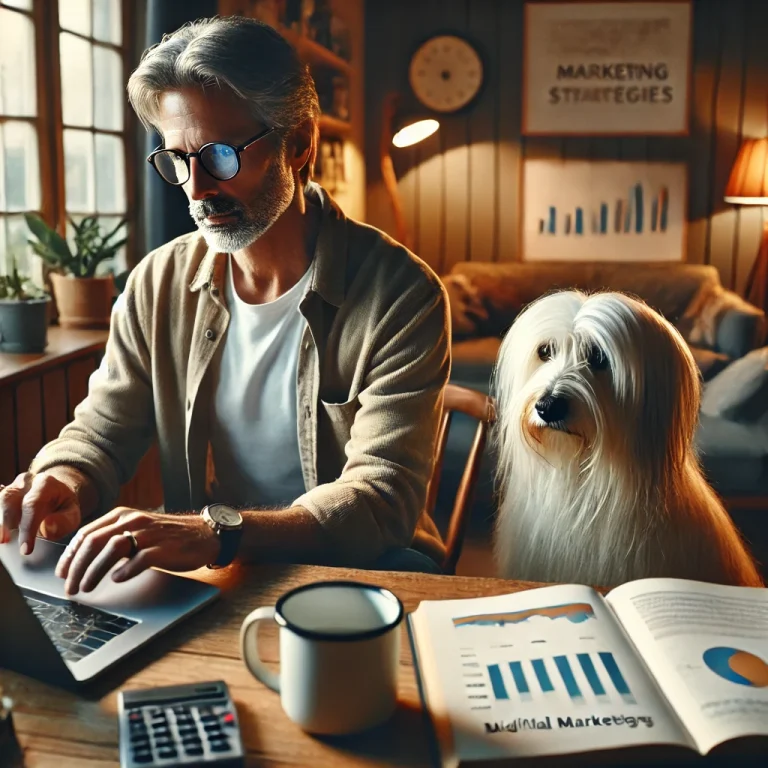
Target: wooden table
57,728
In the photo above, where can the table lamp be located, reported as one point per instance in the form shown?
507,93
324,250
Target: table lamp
400,129
748,185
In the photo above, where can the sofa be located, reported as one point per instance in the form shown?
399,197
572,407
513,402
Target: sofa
725,334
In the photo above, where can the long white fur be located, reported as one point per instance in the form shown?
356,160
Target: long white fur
619,495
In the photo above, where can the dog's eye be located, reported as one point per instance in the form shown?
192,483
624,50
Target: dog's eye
546,351
597,358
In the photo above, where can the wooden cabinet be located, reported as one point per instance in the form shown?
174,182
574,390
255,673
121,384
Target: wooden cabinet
341,154
38,396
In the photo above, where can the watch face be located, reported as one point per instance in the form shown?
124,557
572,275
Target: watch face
446,73
224,515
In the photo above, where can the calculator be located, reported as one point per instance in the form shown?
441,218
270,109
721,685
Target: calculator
179,725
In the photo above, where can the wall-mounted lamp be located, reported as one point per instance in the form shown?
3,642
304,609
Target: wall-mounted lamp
400,130
748,185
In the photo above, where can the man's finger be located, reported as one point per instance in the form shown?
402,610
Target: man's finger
118,547
11,497
39,501
144,558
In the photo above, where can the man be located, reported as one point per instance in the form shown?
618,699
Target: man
290,362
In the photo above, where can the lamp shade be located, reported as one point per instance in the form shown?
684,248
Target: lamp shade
748,183
413,131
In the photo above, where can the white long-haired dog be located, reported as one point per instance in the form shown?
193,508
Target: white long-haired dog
598,482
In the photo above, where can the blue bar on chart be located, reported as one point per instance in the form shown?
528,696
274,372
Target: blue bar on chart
564,667
499,689
542,675
591,674
654,214
552,220
638,199
579,221
603,218
612,668
516,668
663,208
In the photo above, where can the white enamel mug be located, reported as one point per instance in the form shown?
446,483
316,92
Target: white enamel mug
339,655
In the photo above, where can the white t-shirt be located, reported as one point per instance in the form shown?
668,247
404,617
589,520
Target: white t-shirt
254,431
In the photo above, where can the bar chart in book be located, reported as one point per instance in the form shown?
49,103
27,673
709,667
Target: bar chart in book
603,210
583,677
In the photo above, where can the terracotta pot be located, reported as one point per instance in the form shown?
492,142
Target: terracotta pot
83,302
24,325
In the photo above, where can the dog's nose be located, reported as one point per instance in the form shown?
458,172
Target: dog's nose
552,408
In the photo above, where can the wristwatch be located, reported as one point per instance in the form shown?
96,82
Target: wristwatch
227,523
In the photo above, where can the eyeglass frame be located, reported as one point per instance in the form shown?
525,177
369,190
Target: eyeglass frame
187,155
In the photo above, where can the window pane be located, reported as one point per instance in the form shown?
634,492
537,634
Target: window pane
16,236
75,15
106,21
22,171
76,80
108,88
78,170
17,64
25,5
110,174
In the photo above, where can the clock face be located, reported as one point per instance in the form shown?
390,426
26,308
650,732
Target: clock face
446,73
225,515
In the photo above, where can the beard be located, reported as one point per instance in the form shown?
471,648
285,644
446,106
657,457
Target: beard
253,218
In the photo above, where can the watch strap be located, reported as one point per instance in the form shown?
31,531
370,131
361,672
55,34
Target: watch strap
230,542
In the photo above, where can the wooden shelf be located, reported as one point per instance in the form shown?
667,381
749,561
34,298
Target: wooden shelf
333,127
313,53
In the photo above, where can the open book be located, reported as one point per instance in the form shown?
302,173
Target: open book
562,669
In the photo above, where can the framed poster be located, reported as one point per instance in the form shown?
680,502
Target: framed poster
606,68
595,210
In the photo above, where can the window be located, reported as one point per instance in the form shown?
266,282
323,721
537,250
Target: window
82,122
20,129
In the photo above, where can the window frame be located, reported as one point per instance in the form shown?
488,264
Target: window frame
49,121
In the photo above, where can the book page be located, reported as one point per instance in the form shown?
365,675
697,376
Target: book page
541,672
707,646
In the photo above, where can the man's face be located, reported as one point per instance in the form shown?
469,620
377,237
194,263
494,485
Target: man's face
231,214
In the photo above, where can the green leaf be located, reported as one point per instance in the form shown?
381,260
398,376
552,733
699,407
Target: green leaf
108,237
38,227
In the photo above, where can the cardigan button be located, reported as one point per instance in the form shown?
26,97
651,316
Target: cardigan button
210,334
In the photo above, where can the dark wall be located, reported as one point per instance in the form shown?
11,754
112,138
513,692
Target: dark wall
460,188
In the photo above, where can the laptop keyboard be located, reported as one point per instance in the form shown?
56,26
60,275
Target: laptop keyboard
75,629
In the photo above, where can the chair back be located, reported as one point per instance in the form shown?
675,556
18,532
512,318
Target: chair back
479,406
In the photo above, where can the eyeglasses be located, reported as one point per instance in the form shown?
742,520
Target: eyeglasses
220,160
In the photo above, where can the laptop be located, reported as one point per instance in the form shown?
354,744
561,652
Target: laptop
68,642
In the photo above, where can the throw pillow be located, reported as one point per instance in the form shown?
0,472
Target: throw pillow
740,392
466,305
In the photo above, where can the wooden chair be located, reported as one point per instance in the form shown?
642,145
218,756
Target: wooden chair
480,406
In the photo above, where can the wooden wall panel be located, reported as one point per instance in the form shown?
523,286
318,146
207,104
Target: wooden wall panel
54,403
475,214
8,466
29,420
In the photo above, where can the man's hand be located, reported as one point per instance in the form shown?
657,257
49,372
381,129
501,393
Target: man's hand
38,503
173,542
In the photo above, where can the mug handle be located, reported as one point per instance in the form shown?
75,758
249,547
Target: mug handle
249,648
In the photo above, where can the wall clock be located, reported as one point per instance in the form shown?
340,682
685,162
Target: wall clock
446,73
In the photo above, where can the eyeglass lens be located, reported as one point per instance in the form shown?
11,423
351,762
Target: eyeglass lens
219,160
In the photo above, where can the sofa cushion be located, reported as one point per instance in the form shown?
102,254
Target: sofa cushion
710,363
505,288
740,392
734,455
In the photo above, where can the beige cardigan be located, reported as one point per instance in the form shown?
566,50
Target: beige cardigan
373,362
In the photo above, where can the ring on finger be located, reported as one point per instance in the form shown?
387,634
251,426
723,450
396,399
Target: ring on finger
134,544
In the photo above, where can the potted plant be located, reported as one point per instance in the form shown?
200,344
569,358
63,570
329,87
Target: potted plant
83,300
23,313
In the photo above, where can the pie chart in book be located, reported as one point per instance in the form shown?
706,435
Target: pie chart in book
737,666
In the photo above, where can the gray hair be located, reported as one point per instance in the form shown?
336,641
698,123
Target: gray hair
250,58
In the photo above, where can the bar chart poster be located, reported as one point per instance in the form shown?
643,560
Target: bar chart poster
603,211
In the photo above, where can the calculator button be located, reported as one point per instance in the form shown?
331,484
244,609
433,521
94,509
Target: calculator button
137,725
135,716
228,719
163,743
144,756
167,752
162,733
189,730
191,741
209,719
212,727
194,751
139,740
185,722
220,745
180,710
